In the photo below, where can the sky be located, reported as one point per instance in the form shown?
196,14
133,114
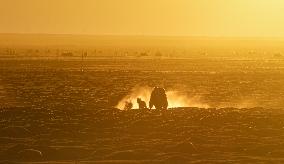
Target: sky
222,18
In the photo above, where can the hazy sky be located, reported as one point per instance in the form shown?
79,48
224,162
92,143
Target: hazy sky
144,17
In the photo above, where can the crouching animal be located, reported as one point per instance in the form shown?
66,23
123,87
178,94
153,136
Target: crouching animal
128,105
158,99
141,104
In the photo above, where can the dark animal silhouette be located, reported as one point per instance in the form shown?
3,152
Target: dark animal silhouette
158,99
128,105
141,104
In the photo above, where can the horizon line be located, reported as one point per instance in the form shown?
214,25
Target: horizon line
148,35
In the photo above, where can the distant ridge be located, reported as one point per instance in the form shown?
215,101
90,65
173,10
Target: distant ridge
33,39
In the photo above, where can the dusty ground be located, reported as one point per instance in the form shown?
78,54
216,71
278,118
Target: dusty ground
176,136
51,111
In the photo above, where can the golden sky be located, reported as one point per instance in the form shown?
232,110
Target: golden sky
144,17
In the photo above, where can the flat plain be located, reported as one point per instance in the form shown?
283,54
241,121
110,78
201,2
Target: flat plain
64,111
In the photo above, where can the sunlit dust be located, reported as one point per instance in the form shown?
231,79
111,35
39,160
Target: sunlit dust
175,98
137,92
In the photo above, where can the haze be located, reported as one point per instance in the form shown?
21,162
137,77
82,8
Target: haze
245,18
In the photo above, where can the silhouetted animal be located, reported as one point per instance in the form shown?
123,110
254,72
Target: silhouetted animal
141,104
128,105
158,99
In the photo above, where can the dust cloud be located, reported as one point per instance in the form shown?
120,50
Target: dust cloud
175,98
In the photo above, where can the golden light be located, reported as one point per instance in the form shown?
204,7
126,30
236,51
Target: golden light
147,17
175,98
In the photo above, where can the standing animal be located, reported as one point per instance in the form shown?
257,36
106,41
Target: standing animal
141,104
158,99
